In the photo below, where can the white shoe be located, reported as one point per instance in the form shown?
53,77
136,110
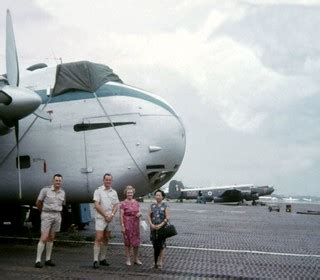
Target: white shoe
128,262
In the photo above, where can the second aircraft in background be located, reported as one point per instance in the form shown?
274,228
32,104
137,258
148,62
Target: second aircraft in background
224,194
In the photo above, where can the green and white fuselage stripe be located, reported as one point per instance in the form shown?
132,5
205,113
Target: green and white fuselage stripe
108,90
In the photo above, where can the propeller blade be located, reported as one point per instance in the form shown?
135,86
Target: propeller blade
12,65
15,102
16,130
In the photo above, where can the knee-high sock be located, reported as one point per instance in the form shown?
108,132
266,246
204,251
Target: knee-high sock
48,250
96,252
40,249
103,252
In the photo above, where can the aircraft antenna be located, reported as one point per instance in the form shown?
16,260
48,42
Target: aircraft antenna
57,59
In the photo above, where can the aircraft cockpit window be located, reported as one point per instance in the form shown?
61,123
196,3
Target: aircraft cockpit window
82,76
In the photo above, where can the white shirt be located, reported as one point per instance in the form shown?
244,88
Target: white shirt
52,200
106,198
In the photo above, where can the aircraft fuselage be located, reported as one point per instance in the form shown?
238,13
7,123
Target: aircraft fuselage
119,129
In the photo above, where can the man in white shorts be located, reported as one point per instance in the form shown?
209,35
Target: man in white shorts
106,204
49,202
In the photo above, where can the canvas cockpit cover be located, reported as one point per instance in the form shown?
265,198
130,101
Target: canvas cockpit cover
82,75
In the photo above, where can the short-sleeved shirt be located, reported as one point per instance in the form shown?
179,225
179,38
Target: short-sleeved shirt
106,198
52,200
158,213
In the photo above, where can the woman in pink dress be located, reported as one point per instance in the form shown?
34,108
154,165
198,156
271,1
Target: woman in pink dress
130,222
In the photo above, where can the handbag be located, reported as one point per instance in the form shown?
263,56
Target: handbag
143,225
166,231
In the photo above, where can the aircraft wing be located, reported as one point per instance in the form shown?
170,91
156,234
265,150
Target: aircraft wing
231,193
227,187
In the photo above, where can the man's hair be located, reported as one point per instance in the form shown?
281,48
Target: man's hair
107,174
57,175
161,191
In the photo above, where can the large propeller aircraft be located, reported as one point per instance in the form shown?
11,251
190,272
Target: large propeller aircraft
79,119
219,194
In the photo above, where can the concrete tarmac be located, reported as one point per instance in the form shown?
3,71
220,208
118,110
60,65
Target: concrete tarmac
214,242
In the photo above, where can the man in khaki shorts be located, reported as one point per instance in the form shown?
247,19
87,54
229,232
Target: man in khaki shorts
106,204
49,202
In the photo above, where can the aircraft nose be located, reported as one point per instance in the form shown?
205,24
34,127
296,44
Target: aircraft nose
151,137
166,151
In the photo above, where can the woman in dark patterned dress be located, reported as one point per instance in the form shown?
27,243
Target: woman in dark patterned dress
158,216
130,220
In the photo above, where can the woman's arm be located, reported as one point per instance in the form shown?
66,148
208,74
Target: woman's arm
122,220
167,215
149,219
139,214
166,218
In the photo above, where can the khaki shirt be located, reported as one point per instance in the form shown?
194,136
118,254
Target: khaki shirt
106,198
52,200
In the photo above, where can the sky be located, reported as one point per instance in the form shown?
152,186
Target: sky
244,76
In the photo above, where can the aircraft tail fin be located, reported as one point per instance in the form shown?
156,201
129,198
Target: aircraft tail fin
175,189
